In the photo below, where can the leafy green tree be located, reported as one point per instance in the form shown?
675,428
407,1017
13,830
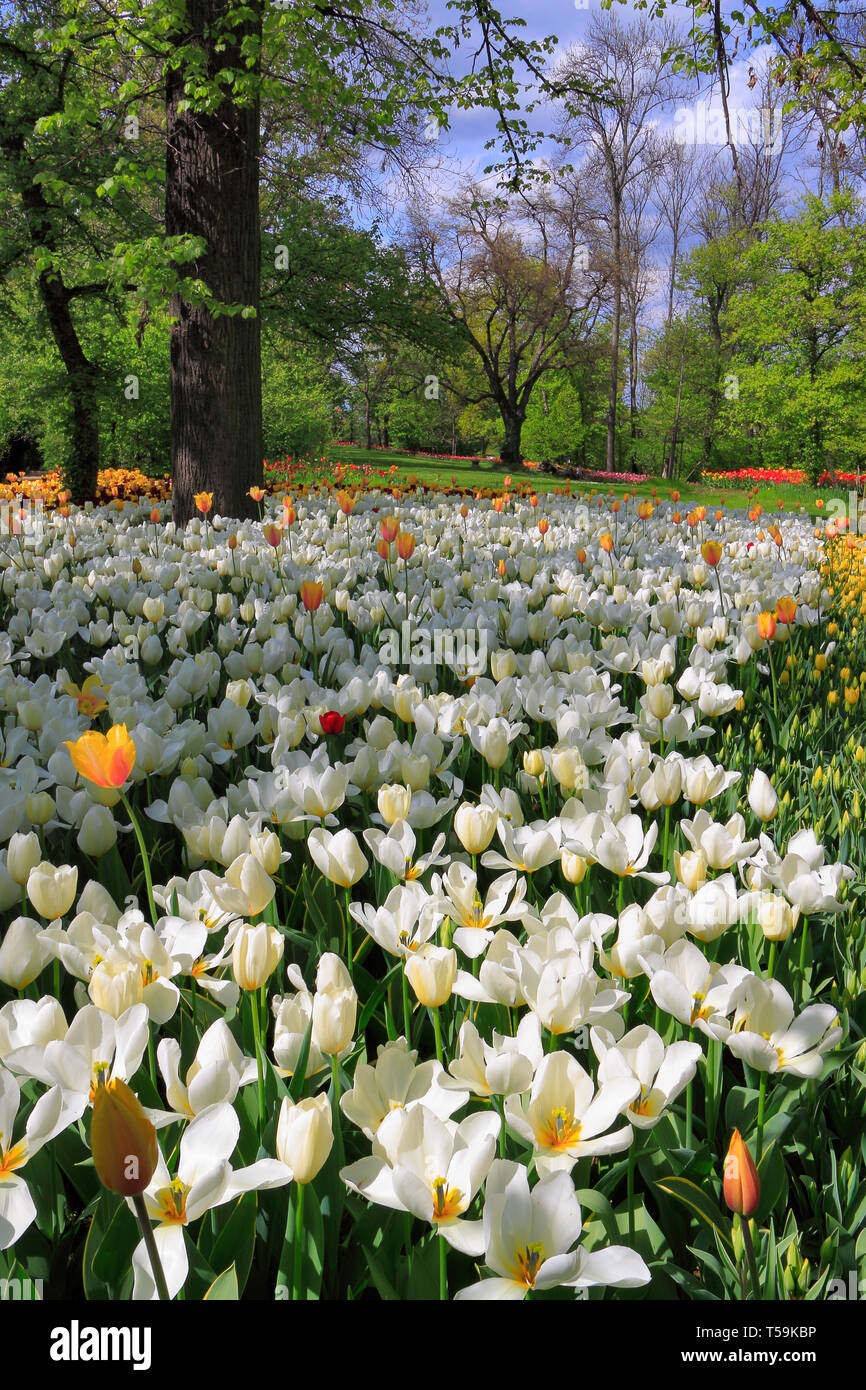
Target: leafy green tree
797,325
519,285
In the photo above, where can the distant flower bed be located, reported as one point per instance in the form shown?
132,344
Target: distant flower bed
769,476
619,477
113,485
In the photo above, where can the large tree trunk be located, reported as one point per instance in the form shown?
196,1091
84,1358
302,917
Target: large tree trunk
212,191
511,447
81,470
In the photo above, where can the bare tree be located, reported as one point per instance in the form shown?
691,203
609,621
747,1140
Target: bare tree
627,63
676,183
641,220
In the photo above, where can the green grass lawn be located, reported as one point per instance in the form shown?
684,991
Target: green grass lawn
461,474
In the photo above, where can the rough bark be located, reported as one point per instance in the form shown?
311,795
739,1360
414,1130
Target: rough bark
212,191
511,447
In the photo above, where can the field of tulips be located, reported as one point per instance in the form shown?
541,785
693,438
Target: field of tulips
428,897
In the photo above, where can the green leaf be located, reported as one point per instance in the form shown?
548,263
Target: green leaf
698,1202
224,1288
237,1238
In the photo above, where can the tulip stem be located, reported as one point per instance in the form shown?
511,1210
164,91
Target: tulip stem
260,1061
443,1270
803,952
667,834
298,1244
750,1257
631,1162
144,859
773,679
349,952
689,1107
335,1101
407,1012
150,1246
437,1029
762,1091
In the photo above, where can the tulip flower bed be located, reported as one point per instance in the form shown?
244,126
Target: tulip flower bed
431,897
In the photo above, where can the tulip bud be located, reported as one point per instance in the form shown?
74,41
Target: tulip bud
569,769
394,802
266,848
573,867
660,699
431,972
475,826
115,986
52,891
691,869
122,1139
533,762
256,954
305,1136
762,796
777,918
741,1184
335,1006
22,855
39,808
502,664
98,832
22,954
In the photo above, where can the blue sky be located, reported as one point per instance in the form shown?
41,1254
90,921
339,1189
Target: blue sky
569,21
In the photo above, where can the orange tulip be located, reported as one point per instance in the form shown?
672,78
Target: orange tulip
383,549
544,526
256,493
405,544
785,610
677,518
389,527
581,556
203,502
606,542
90,698
712,553
741,1184
122,1139
312,594
502,569
105,759
273,535
347,503
767,626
